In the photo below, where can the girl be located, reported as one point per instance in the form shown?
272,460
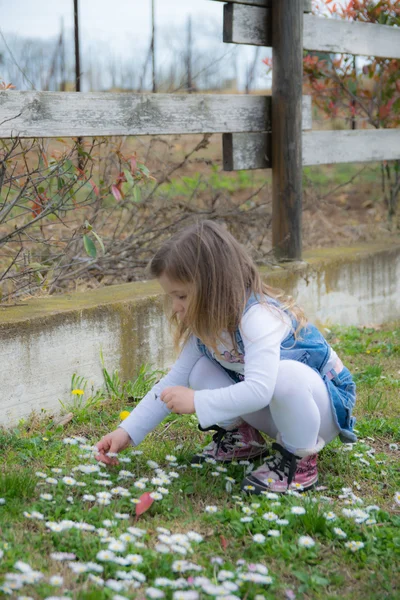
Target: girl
249,363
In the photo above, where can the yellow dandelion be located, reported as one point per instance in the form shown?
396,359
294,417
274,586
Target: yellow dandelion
77,392
124,414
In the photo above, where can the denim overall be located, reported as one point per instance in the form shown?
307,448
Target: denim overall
312,349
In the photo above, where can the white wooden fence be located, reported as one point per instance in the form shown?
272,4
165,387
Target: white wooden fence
259,132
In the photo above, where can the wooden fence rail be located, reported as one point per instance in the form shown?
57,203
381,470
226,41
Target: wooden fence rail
259,132
252,25
68,114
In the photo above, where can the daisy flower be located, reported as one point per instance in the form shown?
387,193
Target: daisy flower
136,531
274,532
152,464
103,501
162,548
156,496
88,498
339,532
259,538
186,595
282,522
270,495
117,546
354,546
60,556
105,555
45,497
194,536
270,516
154,593
211,509
140,485
306,541
69,480
122,516
397,497
51,480
246,519
134,559
247,510
56,580
171,458
297,510
330,516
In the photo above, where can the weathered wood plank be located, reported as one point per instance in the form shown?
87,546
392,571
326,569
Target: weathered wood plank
247,25
367,145
63,114
265,3
252,25
330,35
57,114
246,151
252,150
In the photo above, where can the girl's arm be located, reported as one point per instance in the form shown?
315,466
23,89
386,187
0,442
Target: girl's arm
151,410
262,330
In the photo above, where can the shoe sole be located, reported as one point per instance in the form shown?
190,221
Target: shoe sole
260,487
201,458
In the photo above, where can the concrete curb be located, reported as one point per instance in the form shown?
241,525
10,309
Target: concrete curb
44,341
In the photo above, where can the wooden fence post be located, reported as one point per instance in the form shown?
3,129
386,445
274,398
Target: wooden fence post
287,65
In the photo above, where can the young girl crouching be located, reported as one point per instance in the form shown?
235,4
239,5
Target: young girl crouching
249,363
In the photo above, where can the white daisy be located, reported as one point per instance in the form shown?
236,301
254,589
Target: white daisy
274,532
56,580
156,496
354,546
105,555
270,516
339,532
211,509
298,510
259,538
154,593
306,541
45,497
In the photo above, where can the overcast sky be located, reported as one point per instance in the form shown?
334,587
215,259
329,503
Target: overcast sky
116,22
119,27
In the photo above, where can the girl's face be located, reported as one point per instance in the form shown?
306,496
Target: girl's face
179,294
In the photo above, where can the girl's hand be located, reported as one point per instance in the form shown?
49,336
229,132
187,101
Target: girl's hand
179,399
113,442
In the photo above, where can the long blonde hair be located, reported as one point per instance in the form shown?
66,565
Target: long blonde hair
221,276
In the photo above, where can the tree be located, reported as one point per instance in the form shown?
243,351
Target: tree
369,95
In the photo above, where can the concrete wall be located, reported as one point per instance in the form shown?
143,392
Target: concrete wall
44,341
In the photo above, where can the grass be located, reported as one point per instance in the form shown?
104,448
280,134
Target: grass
326,571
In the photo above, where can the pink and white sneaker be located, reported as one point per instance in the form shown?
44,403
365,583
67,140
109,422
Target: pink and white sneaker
242,443
285,471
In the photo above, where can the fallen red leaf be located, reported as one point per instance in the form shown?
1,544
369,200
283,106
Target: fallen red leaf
224,542
145,501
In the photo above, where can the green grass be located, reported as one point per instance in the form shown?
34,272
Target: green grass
325,571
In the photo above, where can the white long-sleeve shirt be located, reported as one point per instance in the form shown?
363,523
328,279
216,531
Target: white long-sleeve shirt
262,330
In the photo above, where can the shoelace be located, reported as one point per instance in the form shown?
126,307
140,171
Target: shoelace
223,438
284,463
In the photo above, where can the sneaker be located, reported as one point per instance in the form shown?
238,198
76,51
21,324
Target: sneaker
242,443
284,471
